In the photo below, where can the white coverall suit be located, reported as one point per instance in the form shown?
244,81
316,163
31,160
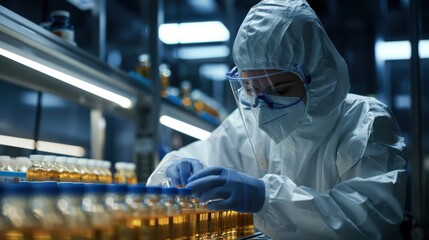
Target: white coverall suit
343,173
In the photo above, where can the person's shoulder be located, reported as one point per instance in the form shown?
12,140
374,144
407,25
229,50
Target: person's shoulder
369,112
365,104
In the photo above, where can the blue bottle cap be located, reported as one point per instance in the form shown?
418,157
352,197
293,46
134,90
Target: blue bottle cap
44,188
169,191
94,188
71,188
137,188
153,190
17,189
116,188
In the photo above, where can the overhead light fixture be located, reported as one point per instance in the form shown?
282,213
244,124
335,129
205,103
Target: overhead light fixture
399,50
60,148
44,146
76,82
214,71
183,127
193,32
189,53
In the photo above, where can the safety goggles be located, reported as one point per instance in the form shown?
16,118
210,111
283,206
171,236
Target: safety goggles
261,88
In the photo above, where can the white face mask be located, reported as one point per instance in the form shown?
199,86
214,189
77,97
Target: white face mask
279,123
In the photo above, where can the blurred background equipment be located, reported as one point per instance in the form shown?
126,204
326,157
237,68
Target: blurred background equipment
129,81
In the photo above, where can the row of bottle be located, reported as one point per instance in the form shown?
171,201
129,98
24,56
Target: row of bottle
194,103
68,169
51,210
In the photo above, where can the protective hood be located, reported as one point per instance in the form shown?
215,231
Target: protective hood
279,33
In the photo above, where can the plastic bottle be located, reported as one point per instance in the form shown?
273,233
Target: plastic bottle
17,212
97,215
61,26
85,175
4,223
108,174
155,211
5,163
171,224
69,204
144,67
92,169
62,168
52,173
119,210
135,199
74,170
120,175
131,173
164,76
99,172
201,217
36,172
185,90
6,169
188,212
22,164
44,206
137,223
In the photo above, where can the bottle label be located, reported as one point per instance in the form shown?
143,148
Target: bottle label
12,177
64,33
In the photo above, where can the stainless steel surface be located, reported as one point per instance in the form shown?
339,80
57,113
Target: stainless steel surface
31,41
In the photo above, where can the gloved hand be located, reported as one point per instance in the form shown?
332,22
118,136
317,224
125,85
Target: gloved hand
181,170
239,191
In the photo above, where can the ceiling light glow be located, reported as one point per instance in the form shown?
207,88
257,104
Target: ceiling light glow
183,127
193,32
88,87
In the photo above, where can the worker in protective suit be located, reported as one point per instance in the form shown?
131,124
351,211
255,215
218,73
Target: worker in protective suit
306,157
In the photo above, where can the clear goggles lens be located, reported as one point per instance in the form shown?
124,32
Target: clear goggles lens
257,88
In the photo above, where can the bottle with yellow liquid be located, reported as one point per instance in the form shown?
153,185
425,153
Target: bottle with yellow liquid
137,221
63,170
100,220
174,218
115,204
107,174
185,91
36,172
120,175
74,170
4,224
99,171
164,75
93,171
188,212
16,211
69,204
52,173
44,206
202,217
156,212
131,173
144,65
85,175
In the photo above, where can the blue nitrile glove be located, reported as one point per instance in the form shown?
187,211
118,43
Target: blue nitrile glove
182,169
239,191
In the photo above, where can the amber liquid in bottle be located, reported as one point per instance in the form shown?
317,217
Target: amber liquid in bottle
119,178
75,176
36,174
